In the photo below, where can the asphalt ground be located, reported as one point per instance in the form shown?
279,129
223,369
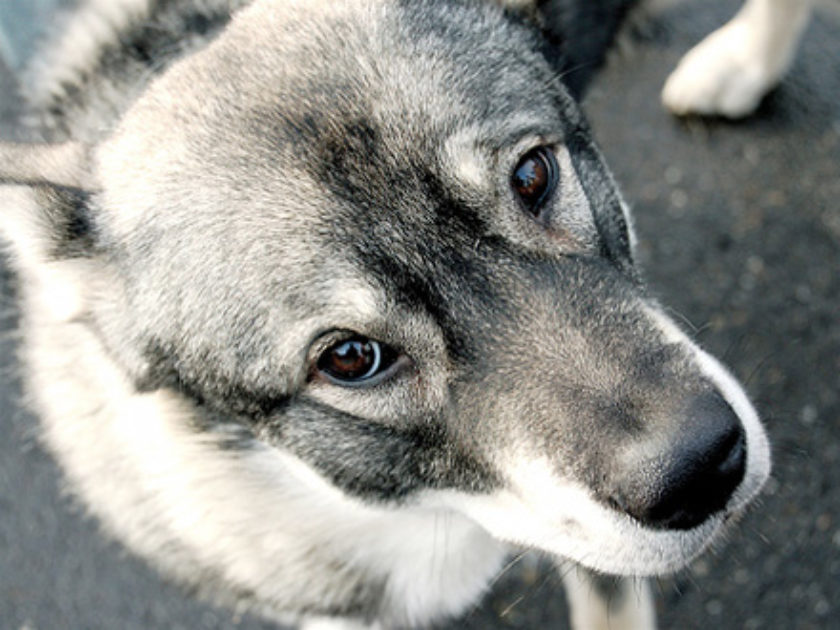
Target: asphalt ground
739,229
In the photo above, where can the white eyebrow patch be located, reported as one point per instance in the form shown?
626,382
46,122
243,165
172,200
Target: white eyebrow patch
461,152
359,300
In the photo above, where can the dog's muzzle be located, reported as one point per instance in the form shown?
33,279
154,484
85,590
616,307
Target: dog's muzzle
691,478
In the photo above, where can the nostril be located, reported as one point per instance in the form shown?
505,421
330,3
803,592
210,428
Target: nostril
695,478
734,458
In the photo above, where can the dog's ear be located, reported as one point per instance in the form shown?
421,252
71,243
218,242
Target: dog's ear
62,165
525,8
44,195
576,35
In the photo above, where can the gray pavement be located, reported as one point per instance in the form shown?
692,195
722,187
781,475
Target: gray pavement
739,227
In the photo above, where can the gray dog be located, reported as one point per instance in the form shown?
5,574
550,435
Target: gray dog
328,306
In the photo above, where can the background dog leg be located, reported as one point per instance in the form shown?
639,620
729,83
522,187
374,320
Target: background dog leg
730,71
599,602
336,623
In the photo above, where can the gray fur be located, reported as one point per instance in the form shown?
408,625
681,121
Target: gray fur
248,190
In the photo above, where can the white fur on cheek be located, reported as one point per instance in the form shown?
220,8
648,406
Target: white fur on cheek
59,292
543,511
20,227
434,559
55,287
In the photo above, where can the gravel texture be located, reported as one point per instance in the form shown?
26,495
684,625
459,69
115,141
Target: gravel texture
739,227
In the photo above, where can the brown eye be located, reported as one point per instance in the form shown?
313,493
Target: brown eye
535,178
356,361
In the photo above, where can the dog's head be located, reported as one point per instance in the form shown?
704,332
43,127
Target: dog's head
378,239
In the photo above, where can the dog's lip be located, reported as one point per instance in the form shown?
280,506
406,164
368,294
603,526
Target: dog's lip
604,541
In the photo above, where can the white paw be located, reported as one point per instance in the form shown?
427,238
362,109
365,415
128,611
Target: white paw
629,605
726,74
336,623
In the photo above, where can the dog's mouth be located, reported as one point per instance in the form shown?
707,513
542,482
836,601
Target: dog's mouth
563,519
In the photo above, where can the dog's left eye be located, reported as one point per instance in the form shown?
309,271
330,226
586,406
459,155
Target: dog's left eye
357,361
535,178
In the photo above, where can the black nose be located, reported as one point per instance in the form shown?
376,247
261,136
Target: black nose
682,487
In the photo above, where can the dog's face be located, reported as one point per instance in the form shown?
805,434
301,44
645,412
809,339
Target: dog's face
380,240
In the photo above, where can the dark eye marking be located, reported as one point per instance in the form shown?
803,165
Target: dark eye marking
535,178
357,362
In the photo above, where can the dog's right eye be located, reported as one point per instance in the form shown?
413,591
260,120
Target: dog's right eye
356,362
535,178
